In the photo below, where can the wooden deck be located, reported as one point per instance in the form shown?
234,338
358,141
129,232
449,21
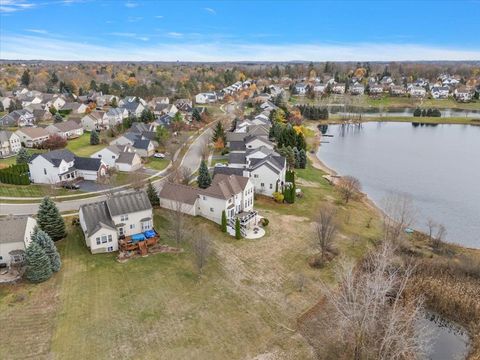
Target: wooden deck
141,246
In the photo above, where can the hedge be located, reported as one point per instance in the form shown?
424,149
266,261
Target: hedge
15,174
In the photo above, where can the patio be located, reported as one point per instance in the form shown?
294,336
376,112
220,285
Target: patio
249,223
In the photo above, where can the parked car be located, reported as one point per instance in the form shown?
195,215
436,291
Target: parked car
159,156
71,186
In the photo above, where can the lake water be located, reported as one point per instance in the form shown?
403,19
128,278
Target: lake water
400,111
437,166
448,341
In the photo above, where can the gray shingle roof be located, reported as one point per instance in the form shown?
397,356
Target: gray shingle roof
126,158
178,192
56,156
12,229
237,158
86,163
225,186
128,203
96,216
227,170
141,144
237,146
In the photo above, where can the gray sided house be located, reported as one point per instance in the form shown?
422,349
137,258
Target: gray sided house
105,222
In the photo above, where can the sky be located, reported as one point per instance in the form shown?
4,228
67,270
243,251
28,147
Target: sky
141,30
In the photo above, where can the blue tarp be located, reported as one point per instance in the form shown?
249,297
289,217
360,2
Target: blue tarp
149,234
138,237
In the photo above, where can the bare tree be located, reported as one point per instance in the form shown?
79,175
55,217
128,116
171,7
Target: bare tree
431,225
367,316
439,238
398,215
205,150
201,249
178,225
348,187
326,228
180,174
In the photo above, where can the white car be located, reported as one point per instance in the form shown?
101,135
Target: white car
159,155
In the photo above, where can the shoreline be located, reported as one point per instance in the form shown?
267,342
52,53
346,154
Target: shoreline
320,165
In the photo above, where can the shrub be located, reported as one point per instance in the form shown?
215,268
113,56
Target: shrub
278,197
265,222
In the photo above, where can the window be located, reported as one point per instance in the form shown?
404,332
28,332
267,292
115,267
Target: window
255,176
113,156
262,185
104,239
45,171
99,155
132,226
124,218
211,209
271,186
109,238
98,241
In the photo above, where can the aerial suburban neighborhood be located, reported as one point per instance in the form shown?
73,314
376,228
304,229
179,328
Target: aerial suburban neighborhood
188,180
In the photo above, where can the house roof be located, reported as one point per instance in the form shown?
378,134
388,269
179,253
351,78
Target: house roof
232,136
236,158
96,216
227,170
237,146
69,125
34,132
5,135
275,163
86,163
141,144
55,157
128,203
126,157
225,186
178,192
13,229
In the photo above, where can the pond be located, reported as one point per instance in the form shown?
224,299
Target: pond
448,341
437,166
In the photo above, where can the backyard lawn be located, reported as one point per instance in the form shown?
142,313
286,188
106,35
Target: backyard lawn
244,305
81,146
33,190
157,164
12,160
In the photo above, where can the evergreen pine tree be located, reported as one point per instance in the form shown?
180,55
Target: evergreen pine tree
238,233
296,153
204,179
46,243
94,139
219,133
23,157
26,78
303,159
196,115
301,144
50,220
57,118
224,221
152,194
38,264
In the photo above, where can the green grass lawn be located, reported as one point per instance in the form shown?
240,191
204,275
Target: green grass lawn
245,304
12,160
157,164
33,190
81,146
219,161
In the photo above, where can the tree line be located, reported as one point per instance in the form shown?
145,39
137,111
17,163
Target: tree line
313,112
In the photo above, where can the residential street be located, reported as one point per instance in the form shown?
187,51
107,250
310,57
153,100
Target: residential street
191,160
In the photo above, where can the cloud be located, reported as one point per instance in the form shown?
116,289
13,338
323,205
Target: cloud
10,6
174,34
159,17
28,47
210,10
37,31
131,4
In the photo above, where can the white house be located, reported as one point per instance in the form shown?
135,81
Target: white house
75,107
375,89
16,234
133,107
18,118
115,116
142,145
301,88
319,88
96,120
463,94
357,89
231,194
105,222
63,166
5,101
10,143
205,98
440,92
338,88
67,130
417,91
120,157
32,136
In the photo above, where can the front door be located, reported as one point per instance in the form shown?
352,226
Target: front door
120,231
